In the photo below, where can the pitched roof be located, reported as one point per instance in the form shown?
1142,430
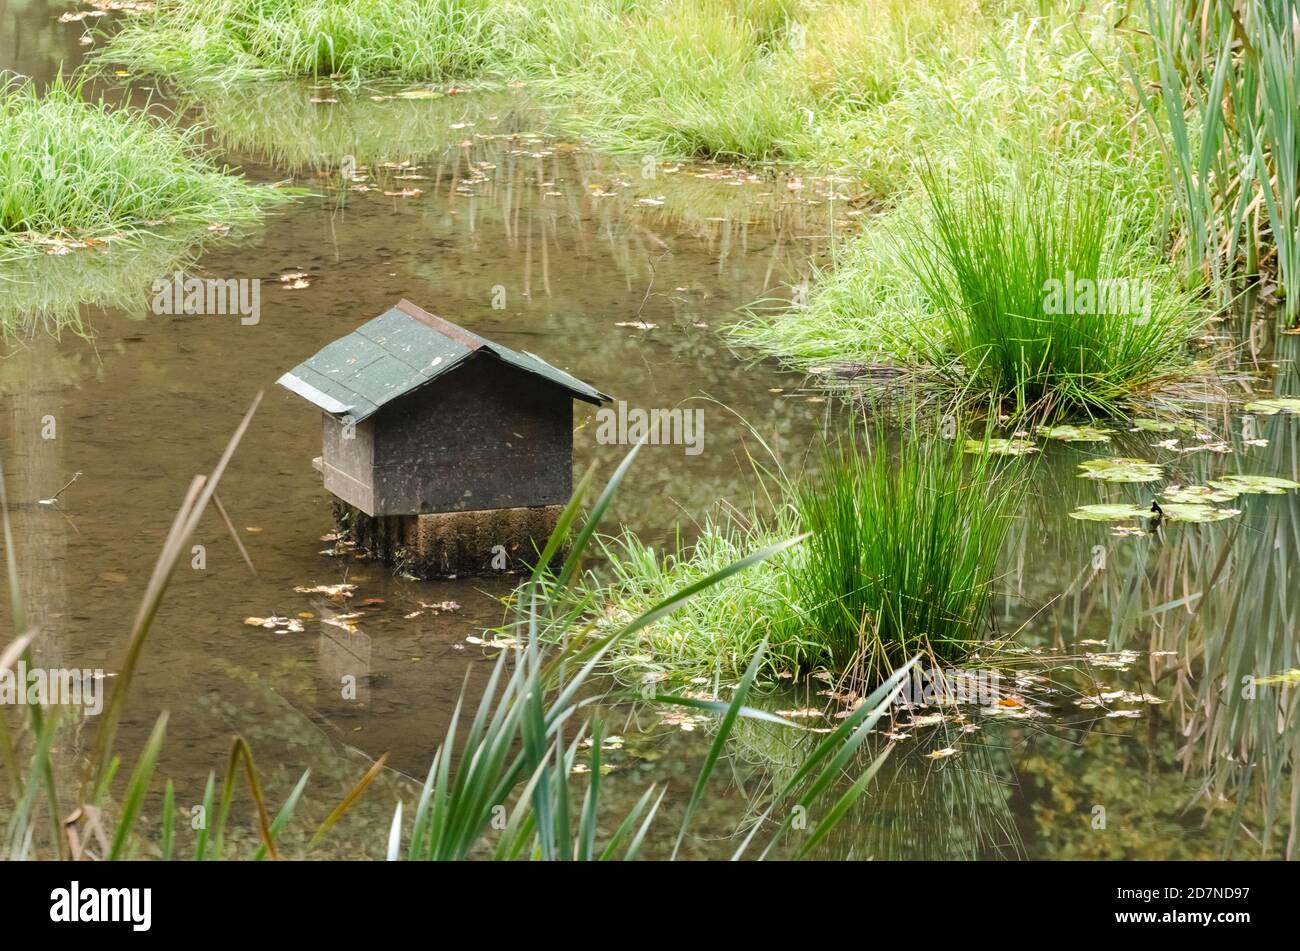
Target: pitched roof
399,351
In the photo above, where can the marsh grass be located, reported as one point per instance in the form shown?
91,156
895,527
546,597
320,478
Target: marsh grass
75,171
1047,296
525,733
715,634
1040,96
741,79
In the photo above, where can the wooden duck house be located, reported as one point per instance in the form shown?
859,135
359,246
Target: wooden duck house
447,452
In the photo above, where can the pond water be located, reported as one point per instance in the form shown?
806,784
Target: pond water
621,274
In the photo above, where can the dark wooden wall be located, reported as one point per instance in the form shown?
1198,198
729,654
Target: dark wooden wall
485,436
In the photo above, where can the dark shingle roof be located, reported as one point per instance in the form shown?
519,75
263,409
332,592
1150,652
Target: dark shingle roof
399,351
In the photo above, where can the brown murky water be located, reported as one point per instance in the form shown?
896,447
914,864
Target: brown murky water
574,249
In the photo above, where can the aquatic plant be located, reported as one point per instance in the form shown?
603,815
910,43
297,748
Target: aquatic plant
1038,97
1223,93
518,737
1048,295
707,637
75,172
902,559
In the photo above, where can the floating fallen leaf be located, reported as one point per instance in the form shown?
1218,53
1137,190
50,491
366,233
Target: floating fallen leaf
282,624
335,591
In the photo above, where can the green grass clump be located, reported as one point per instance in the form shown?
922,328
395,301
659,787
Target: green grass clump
716,632
1047,296
72,170
352,39
905,534
903,555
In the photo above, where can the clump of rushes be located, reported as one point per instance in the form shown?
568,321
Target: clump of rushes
902,560
1048,294
72,170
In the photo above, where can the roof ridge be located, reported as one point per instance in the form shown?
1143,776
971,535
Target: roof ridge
440,324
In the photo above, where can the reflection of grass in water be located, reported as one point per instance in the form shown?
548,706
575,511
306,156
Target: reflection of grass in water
1222,597
916,809
79,170
46,293
282,124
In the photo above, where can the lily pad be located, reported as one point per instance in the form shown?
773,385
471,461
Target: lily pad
1002,447
1199,494
1075,433
1254,484
1162,426
1121,469
1107,512
1274,405
1185,512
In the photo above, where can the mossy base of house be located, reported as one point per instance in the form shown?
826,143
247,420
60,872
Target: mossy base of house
452,544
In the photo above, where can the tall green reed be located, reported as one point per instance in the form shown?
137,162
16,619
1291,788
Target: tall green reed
1226,105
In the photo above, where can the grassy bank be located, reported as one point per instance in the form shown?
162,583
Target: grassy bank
746,79
74,172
